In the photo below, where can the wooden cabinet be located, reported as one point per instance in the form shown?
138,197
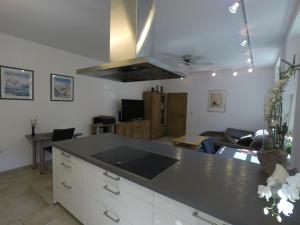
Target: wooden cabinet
176,114
155,111
134,129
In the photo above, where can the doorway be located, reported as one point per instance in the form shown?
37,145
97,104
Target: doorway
176,114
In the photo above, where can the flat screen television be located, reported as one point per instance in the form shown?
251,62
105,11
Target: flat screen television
132,109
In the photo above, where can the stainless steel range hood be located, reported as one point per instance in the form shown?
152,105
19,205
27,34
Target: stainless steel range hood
131,33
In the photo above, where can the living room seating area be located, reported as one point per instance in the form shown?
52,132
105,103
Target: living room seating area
232,138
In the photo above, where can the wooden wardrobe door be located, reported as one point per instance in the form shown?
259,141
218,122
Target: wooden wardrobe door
176,114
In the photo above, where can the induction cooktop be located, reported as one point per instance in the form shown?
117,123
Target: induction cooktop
139,162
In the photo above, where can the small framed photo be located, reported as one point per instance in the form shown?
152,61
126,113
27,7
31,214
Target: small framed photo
216,101
62,88
16,83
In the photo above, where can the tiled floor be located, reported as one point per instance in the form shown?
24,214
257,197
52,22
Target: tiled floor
26,199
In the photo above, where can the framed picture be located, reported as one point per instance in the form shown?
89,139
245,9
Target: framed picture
16,83
216,101
62,88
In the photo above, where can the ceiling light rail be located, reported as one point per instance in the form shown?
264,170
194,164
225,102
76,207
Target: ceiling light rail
248,41
233,8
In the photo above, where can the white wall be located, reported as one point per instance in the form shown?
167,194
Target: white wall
292,48
92,97
244,102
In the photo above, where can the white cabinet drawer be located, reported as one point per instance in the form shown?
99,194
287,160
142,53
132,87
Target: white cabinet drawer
97,214
63,193
96,178
70,197
116,194
133,209
163,218
184,212
61,156
68,167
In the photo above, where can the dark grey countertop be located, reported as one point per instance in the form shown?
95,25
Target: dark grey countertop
222,187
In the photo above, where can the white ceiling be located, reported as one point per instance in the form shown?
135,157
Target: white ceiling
200,27
78,26
207,28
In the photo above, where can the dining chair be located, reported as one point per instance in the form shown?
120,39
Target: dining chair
58,135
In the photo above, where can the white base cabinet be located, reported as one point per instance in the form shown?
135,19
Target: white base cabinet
97,197
170,212
68,185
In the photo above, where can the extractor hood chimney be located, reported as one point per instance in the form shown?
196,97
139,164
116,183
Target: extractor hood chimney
131,33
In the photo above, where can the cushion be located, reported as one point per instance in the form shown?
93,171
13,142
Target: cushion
245,140
228,139
208,146
212,134
236,133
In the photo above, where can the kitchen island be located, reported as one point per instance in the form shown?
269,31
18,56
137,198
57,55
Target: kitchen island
199,189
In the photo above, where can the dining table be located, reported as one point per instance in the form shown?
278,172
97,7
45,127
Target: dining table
38,141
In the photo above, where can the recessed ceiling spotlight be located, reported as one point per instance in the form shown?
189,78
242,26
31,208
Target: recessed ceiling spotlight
235,73
244,43
234,7
249,60
250,70
214,74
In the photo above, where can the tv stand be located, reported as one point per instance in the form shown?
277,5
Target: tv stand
138,129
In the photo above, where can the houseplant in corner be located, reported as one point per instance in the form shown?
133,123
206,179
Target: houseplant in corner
276,128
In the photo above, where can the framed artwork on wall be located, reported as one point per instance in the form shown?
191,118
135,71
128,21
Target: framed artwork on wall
16,83
62,88
216,101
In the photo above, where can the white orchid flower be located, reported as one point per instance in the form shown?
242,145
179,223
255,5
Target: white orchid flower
283,193
264,192
294,181
288,193
285,207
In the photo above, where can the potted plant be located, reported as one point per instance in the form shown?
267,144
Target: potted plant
33,123
274,150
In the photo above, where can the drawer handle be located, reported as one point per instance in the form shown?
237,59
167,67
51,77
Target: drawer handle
66,166
110,217
196,215
66,155
66,186
111,191
111,177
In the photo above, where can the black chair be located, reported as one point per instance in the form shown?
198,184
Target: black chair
58,135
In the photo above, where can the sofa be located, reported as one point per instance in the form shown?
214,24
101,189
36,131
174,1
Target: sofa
233,138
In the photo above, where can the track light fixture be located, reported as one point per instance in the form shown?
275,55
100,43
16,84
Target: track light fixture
234,7
244,43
